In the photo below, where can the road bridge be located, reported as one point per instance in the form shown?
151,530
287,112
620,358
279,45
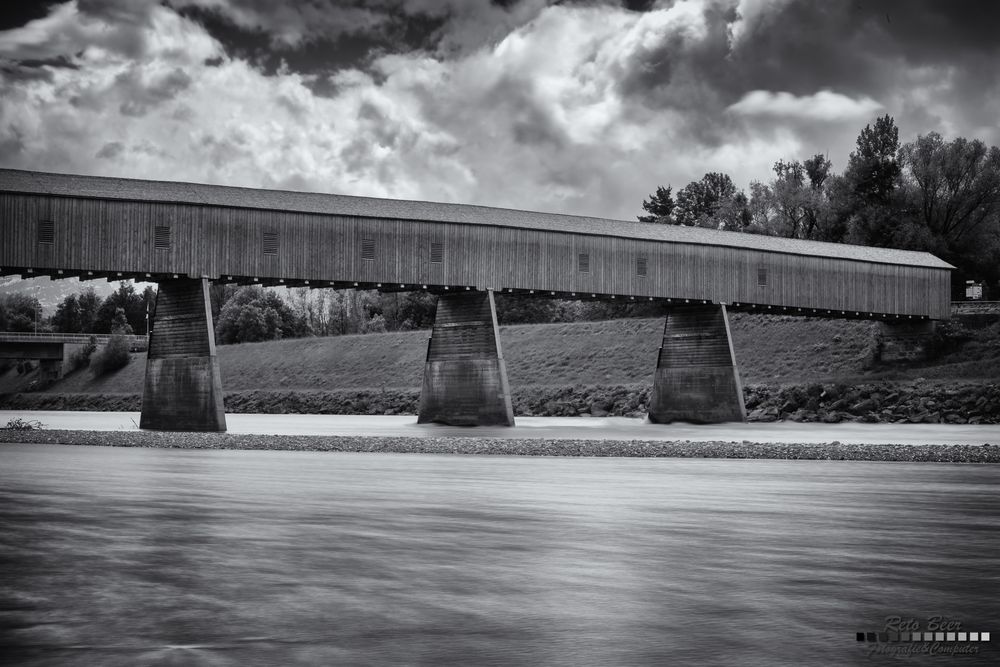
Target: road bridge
53,350
185,235
135,343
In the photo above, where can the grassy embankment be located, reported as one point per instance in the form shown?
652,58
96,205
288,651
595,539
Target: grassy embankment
791,367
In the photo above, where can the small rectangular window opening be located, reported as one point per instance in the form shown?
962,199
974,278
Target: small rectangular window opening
270,243
584,263
437,253
640,266
161,237
368,249
46,232
762,277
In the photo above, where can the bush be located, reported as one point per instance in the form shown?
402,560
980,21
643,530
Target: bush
949,336
18,424
114,356
81,357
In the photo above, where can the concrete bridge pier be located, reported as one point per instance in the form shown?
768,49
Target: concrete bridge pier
465,378
696,377
183,390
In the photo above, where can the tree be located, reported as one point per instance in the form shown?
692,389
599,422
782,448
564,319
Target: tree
219,294
251,325
789,198
957,184
89,304
873,168
113,356
351,311
759,208
408,310
800,207
254,314
834,227
119,324
953,190
698,200
23,312
818,170
733,213
67,317
875,212
148,307
660,206
130,302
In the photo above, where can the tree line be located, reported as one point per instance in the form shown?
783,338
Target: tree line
248,314
244,314
122,311
929,194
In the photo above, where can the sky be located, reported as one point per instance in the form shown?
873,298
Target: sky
567,107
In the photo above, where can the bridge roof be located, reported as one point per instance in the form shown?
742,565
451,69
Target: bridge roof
100,187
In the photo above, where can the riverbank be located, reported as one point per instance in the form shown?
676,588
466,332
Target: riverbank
917,402
833,451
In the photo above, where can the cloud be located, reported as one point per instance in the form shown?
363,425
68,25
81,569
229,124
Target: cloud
569,108
69,30
822,106
110,150
143,92
751,16
290,24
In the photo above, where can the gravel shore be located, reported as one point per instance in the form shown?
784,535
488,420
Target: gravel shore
835,451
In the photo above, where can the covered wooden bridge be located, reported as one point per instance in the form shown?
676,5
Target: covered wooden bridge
184,235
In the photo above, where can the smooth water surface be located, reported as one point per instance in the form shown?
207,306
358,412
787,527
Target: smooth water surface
175,557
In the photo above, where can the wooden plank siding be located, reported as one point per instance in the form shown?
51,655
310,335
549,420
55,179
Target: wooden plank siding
214,241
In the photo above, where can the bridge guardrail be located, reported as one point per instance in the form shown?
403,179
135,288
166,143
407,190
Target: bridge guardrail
135,343
975,307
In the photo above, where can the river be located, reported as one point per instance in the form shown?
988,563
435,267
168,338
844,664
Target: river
113,556
558,428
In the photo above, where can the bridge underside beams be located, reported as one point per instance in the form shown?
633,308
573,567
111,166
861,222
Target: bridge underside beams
183,389
696,377
465,378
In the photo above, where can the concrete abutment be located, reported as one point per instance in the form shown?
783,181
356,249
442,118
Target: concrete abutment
906,340
183,387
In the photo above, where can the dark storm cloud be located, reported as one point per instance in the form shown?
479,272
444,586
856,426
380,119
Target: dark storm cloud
254,37
888,51
31,69
16,14
321,36
859,47
931,30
